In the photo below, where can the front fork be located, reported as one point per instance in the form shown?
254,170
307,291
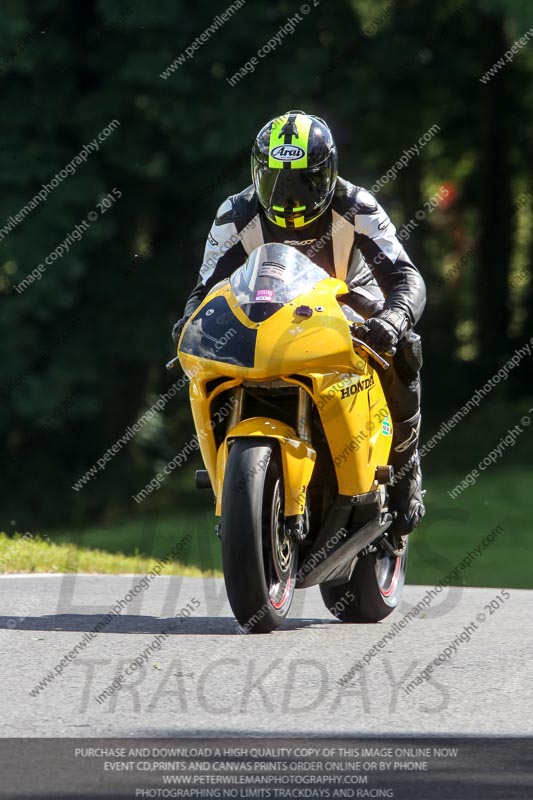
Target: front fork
303,414
296,526
236,411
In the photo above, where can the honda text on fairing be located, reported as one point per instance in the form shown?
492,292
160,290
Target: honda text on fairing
299,466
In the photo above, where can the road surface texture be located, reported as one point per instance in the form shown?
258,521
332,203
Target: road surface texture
195,674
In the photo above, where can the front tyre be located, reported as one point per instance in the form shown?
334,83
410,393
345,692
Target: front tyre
373,591
259,561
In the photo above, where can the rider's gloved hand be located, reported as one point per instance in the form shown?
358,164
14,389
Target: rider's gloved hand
383,331
177,329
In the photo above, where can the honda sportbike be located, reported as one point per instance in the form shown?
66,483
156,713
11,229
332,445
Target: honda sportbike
295,435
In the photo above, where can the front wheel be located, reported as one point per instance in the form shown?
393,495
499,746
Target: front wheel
259,560
373,591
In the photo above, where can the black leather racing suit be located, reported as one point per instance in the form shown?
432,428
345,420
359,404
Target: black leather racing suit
355,241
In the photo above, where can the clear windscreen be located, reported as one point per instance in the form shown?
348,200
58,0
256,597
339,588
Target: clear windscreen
275,273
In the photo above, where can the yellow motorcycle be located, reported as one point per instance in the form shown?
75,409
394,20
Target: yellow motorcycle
295,435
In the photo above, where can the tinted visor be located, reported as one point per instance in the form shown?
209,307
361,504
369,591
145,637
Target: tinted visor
293,190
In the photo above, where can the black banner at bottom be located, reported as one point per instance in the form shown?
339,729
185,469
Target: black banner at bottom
227,767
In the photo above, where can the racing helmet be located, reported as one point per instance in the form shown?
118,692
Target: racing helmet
294,168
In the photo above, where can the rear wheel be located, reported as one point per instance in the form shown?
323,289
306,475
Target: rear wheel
259,561
373,591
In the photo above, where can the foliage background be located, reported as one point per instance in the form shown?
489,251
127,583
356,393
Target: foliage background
82,350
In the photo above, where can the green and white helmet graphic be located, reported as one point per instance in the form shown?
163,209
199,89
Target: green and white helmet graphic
294,168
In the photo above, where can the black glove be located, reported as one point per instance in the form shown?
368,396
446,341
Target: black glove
383,332
177,329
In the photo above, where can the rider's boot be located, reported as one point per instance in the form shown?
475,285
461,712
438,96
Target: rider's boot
406,497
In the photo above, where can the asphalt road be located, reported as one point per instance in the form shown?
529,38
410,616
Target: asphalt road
202,677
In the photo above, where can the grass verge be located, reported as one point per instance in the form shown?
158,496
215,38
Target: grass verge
451,528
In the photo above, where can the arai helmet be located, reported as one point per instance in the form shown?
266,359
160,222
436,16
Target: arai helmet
294,168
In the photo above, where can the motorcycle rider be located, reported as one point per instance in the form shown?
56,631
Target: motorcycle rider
297,198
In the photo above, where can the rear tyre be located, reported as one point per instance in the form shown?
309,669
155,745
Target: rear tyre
373,591
259,561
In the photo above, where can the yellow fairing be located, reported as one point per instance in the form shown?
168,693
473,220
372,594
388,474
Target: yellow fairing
297,459
287,342
356,421
201,412
344,387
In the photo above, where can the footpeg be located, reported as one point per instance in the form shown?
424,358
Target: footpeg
391,548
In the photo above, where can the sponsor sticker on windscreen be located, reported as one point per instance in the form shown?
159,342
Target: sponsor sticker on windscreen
264,296
269,269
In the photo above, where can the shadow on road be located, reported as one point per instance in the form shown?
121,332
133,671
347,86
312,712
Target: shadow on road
190,626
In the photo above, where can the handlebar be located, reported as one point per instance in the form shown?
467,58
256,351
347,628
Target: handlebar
172,363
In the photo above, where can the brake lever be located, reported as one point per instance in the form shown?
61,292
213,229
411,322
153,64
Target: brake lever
376,356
